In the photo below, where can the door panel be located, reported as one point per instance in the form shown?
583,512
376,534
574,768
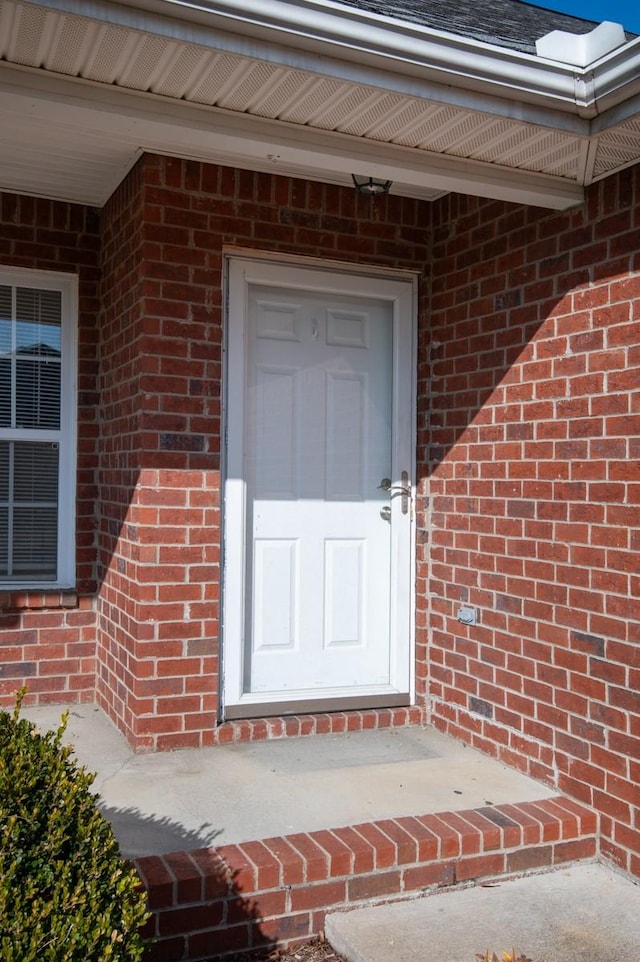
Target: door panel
309,607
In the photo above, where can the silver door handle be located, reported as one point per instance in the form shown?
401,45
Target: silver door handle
403,489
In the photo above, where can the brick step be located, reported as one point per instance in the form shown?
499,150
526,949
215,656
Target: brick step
213,902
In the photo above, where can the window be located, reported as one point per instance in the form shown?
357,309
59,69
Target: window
37,429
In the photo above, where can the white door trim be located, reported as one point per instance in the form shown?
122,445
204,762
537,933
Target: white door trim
400,290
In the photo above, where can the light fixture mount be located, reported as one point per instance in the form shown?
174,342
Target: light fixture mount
372,186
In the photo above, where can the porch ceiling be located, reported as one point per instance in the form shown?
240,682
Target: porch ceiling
87,86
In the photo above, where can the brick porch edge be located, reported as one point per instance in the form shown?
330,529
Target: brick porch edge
212,902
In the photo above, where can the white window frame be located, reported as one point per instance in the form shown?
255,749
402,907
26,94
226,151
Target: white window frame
66,436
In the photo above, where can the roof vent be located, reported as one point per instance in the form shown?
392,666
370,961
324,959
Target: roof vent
580,50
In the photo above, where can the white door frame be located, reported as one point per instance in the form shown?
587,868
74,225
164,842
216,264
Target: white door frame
399,288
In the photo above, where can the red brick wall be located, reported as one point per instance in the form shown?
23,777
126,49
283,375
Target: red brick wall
119,462
164,235
531,431
528,450
47,640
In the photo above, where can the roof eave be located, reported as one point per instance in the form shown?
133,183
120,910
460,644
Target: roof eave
541,116
348,41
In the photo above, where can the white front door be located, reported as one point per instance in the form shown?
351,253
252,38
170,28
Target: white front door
317,598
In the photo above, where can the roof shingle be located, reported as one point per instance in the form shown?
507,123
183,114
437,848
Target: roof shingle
506,23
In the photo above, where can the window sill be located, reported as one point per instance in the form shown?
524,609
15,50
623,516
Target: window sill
16,600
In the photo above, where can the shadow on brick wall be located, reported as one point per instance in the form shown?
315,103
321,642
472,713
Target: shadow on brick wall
196,897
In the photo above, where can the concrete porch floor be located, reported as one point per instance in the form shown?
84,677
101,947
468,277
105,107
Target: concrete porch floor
191,799
250,845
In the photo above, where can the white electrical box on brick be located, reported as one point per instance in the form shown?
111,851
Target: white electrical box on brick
468,616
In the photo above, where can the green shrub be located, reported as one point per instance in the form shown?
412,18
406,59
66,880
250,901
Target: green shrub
66,894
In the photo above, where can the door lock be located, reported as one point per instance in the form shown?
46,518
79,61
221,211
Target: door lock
403,489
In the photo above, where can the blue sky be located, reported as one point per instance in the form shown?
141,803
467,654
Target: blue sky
626,12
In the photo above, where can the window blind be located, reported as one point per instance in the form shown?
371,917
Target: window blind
30,413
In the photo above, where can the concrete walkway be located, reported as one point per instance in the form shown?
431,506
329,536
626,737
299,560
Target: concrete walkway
584,913
236,793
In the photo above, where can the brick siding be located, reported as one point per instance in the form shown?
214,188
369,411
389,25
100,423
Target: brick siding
47,640
530,430
528,464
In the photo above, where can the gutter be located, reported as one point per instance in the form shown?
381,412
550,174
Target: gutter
616,79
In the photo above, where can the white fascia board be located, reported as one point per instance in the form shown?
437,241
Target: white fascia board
157,125
330,38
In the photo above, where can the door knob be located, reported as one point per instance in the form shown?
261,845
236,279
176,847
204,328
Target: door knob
385,513
403,489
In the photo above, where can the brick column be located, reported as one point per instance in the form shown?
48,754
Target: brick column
165,232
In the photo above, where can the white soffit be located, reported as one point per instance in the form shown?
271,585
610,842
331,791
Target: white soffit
134,123
617,147
99,92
